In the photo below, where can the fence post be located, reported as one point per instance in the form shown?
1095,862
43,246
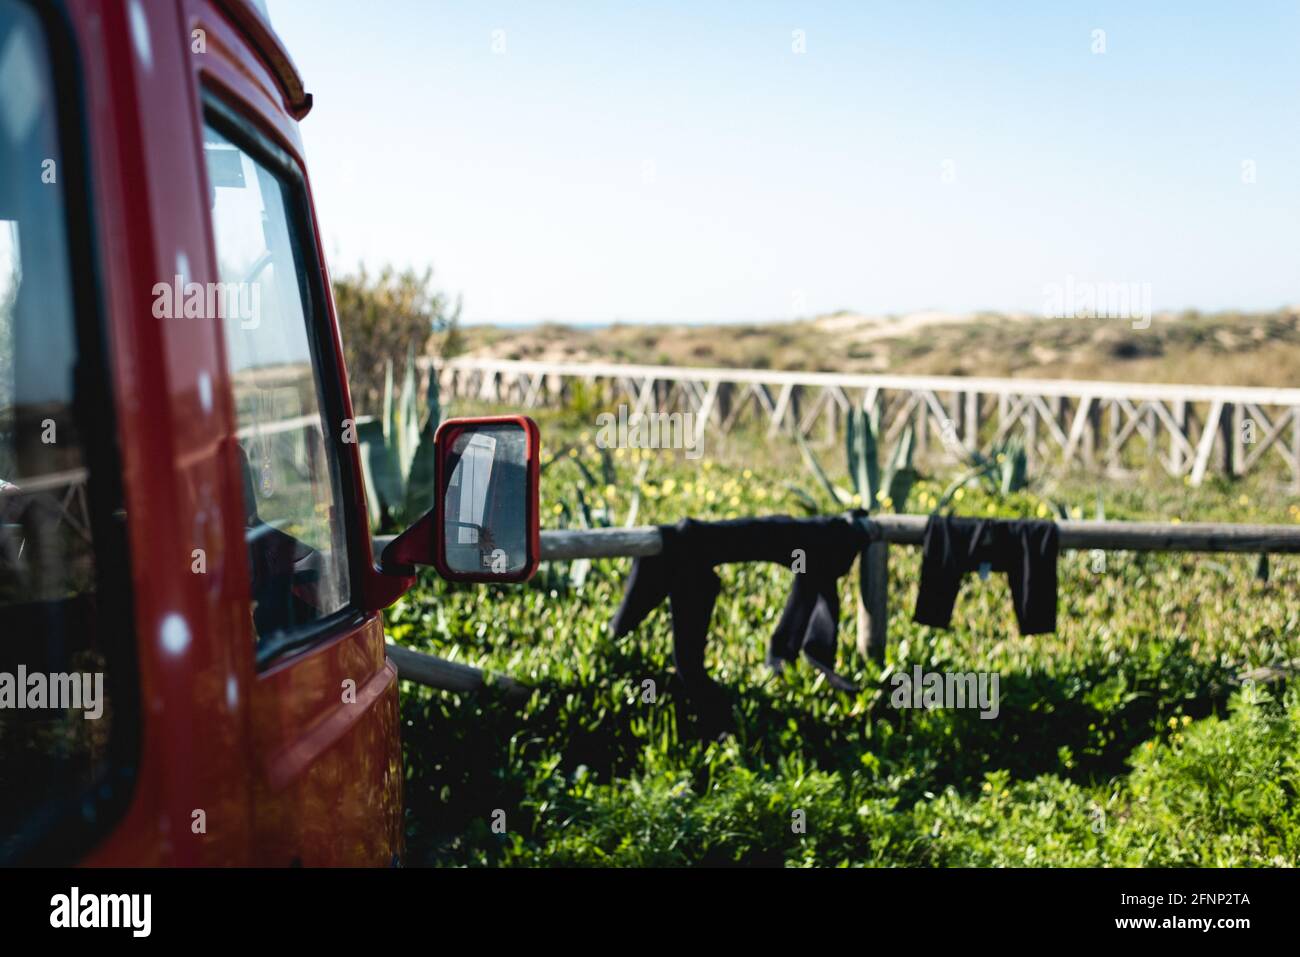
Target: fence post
1295,448
1180,416
972,430
1230,430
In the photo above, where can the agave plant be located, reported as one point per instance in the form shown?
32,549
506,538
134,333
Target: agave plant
397,458
1003,471
581,513
870,487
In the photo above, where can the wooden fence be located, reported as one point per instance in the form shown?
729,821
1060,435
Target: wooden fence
1116,427
883,531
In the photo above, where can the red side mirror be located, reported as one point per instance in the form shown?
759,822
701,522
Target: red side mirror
484,525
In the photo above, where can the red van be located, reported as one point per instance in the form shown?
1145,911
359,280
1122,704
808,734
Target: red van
192,664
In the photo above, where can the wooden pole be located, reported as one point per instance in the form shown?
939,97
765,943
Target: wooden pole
569,544
446,675
873,572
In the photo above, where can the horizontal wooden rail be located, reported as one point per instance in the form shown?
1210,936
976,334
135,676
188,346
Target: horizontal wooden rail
563,545
910,530
1190,392
569,544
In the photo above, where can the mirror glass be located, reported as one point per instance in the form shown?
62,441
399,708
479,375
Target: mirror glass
485,499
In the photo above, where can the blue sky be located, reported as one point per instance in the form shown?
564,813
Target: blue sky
603,161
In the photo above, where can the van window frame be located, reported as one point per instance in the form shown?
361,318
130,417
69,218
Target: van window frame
235,124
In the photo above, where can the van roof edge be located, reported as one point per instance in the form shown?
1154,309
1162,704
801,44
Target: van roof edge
251,19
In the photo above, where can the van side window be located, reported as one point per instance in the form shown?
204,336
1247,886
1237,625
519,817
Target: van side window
293,515
64,607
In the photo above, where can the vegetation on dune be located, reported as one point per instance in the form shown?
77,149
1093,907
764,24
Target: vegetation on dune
1126,738
1227,348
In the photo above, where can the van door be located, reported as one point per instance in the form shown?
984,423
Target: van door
324,704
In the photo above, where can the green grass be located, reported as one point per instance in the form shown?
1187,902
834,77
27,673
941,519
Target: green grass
1124,739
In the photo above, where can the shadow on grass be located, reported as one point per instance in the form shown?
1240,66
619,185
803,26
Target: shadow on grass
478,759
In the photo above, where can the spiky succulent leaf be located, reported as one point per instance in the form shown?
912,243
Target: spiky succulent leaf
384,491
806,501
408,417
838,496
851,445
900,476
868,456
422,477
390,405
1015,469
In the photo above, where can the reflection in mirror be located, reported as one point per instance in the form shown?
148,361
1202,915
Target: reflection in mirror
485,500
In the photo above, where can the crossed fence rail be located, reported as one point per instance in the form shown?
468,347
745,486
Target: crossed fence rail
1117,427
